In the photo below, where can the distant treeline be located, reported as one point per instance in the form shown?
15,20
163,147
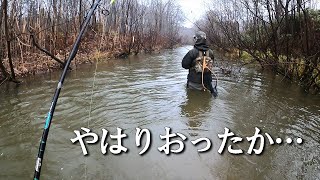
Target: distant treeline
36,35
283,35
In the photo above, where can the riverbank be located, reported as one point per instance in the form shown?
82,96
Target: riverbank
301,70
36,62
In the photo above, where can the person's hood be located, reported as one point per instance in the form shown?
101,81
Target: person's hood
201,46
201,41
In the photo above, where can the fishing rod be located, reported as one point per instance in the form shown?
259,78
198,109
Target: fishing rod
73,53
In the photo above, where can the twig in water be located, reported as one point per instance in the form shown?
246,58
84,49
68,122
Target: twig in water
4,80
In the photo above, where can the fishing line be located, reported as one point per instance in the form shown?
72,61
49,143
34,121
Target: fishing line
90,109
105,12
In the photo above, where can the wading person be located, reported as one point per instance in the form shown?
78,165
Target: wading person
199,61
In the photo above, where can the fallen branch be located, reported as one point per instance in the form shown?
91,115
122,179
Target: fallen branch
45,51
4,80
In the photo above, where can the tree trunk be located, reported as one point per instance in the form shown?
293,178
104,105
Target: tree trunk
5,6
80,13
3,69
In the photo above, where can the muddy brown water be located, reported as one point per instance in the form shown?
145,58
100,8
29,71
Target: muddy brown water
148,91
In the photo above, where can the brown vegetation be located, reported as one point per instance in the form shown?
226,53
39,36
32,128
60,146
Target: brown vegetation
37,35
282,35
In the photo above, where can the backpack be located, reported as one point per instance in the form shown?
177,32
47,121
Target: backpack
203,60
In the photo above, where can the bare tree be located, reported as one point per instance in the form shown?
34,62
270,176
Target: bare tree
32,31
281,34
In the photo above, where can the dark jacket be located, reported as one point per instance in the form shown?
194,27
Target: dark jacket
188,62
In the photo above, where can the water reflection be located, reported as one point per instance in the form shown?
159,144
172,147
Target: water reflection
195,106
196,103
